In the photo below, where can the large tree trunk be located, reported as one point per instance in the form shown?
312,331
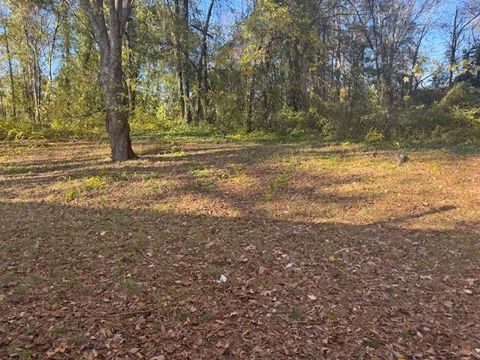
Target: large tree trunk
110,44
117,113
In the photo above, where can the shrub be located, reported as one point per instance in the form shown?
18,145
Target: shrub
91,128
288,120
374,137
461,95
453,125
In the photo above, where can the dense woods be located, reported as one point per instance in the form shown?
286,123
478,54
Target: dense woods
347,69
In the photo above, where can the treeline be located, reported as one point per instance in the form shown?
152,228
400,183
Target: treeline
342,68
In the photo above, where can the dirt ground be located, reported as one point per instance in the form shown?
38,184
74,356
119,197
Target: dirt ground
225,250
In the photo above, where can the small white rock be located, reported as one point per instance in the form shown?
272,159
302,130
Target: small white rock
223,279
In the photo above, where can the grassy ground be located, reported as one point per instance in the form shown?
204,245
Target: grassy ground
228,250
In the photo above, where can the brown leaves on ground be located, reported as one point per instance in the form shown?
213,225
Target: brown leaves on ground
226,250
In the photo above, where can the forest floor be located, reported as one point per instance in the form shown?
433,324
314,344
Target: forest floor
230,250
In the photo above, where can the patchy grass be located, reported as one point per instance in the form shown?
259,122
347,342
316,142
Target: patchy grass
130,287
102,259
87,185
279,183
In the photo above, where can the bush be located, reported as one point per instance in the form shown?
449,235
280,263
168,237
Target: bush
143,122
374,137
288,120
439,123
461,95
90,128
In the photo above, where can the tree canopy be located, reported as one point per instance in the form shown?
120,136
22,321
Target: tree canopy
344,69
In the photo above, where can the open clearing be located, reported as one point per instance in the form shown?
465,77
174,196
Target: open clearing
327,251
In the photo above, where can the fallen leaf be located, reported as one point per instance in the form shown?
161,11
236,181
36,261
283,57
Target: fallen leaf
185,283
198,339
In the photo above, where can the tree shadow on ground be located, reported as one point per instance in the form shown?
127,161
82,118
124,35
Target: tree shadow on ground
158,159
111,280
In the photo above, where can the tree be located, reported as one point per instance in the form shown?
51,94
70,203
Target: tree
10,72
462,19
181,47
202,67
110,35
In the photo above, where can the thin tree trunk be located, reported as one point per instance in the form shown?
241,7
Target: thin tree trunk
51,53
3,108
453,49
181,97
10,72
412,88
181,15
36,87
35,76
186,93
202,70
184,20
249,97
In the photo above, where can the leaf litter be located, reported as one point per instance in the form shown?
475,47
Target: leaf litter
330,266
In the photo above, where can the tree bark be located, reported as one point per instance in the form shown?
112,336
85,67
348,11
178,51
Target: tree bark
10,72
178,58
180,37
110,43
202,69
132,67
35,75
249,98
184,21
116,108
453,49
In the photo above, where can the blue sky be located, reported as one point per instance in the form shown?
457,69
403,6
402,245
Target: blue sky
436,41
434,45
